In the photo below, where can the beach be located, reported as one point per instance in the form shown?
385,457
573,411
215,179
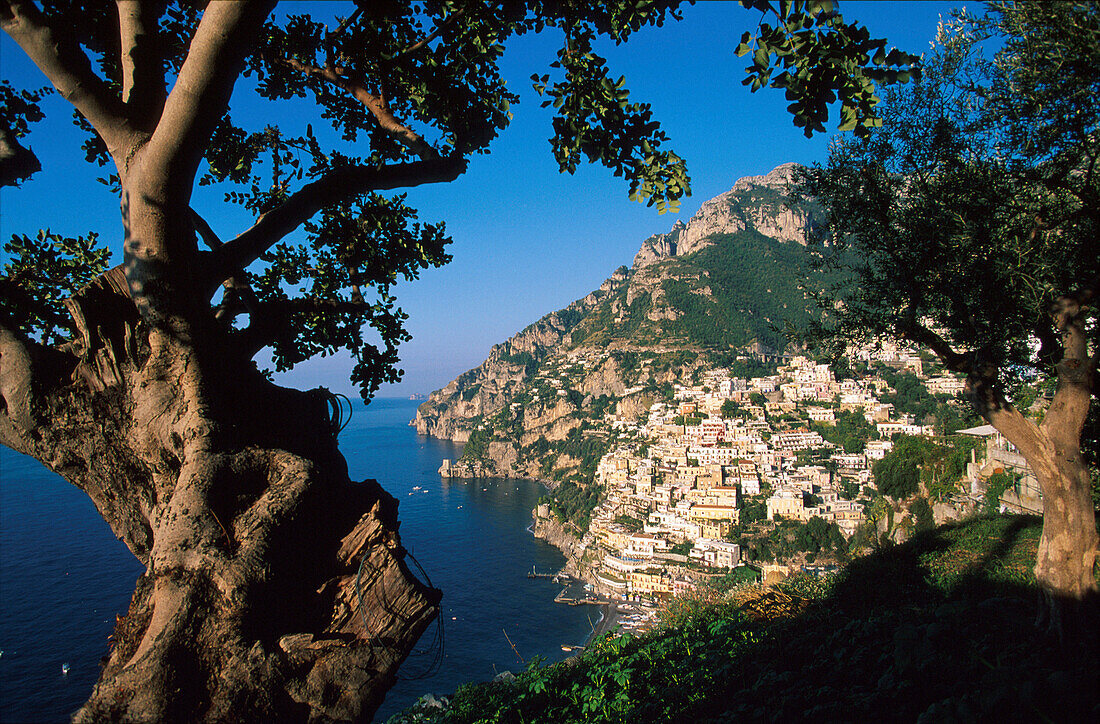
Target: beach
624,616
610,617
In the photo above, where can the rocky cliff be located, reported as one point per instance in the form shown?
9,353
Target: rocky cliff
540,405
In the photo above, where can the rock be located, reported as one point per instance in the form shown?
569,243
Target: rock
629,313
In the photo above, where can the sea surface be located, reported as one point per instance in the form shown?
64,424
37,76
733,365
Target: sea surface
64,576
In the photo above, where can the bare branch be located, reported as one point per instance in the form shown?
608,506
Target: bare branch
202,90
376,104
143,91
338,184
69,70
1076,369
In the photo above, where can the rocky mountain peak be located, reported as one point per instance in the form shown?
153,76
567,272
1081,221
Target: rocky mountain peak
746,206
778,178
724,279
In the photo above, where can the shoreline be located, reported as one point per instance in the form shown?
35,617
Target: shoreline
609,620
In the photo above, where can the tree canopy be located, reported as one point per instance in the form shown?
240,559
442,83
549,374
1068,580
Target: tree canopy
967,224
410,90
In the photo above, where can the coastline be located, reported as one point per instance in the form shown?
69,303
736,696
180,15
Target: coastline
610,616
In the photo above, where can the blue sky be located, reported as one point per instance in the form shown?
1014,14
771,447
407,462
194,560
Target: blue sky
527,240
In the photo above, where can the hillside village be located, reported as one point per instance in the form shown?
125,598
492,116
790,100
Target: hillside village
680,443
733,457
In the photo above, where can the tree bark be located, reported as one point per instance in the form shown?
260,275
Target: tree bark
233,494
1065,563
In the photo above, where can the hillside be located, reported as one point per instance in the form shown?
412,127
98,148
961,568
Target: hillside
939,629
709,291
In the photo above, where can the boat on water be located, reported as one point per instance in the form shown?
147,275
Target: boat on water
536,574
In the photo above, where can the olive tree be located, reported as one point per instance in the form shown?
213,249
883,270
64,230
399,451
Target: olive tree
968,224
274,587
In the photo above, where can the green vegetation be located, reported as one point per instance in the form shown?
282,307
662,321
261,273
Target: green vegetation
851,431
939,628
530,364
849,489
917,459
996,486
736,577
682,548
749,367
909,396
922,515
631,523
588,449
788,538
471,392
741,289
896,475
966,224
754,509
573,502
477,446
569,318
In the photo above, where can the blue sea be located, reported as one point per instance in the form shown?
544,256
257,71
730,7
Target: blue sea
64,576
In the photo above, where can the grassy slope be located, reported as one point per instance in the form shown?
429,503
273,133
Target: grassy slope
938,629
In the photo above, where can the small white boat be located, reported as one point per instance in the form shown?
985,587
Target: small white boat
64,669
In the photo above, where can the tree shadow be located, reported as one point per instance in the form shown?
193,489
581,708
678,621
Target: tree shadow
938,628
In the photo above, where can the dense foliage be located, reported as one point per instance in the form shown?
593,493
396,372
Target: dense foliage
573,502
939,627
910,396
915,459
851,431
969,225
788,539
411,91
743,288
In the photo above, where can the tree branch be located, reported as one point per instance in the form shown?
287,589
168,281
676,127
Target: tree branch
338,184
347,22
143,91
1069,408
68,69
376,104
919,334
271,321
29,372
236,286
16,161
202,90
436,32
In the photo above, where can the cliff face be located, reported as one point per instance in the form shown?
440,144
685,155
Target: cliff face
724,280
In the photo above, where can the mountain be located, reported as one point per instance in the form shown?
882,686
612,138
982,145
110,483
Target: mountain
716,290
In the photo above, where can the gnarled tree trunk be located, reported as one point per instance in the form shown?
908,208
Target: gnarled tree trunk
1065,565
275,588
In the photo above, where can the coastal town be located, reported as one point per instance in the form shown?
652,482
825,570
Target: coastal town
728,457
